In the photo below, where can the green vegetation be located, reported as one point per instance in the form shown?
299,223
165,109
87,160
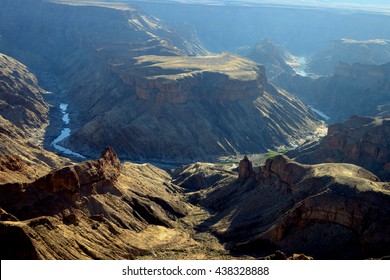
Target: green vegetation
272,154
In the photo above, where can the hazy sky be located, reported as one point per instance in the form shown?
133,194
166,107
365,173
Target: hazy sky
372,3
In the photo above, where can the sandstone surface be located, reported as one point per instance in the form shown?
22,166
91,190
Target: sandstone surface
97,209
327,211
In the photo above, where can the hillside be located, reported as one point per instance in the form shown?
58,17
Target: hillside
130,79
327,211
359,140
350,51
24,116
356,89
185,108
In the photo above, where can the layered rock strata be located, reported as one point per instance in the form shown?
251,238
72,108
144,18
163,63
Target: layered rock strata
363,141
353,89
92,210
24,116
327,211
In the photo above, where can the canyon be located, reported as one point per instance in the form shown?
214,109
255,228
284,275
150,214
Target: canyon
224,103
113,124
353,89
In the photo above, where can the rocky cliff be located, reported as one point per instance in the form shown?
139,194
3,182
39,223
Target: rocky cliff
328,211
197,109
275,60
372,52
356,89
52,35
178,80
363,141
93,210
24,116
130,85
181,108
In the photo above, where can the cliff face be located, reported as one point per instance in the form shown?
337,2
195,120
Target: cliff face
184,115
178,80
92,210
356,89
372,52
274,59
328,211
360,140
51,36
133,84
23,119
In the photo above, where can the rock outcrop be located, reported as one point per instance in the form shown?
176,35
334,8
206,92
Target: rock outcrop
363,141
245,169
350,51
275,60
130,85
24,115
92,210
327,211
356,89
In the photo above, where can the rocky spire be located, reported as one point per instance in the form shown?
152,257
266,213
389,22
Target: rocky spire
245,169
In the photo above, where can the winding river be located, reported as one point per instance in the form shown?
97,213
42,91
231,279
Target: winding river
65,133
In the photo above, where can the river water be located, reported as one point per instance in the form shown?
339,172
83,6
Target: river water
65,133
301,69
321,114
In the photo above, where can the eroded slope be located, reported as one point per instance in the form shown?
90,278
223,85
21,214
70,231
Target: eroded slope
328,211
23,120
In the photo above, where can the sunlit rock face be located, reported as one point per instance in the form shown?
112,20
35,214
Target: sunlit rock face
134,84
24,116
363,141
98,209
327,211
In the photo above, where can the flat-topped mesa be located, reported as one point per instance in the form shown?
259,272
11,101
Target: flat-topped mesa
179,79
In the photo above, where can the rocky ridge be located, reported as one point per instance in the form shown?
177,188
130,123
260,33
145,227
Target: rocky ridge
371,52
327,211
356,89
97,209
128,82
360,140
275,60
24,116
